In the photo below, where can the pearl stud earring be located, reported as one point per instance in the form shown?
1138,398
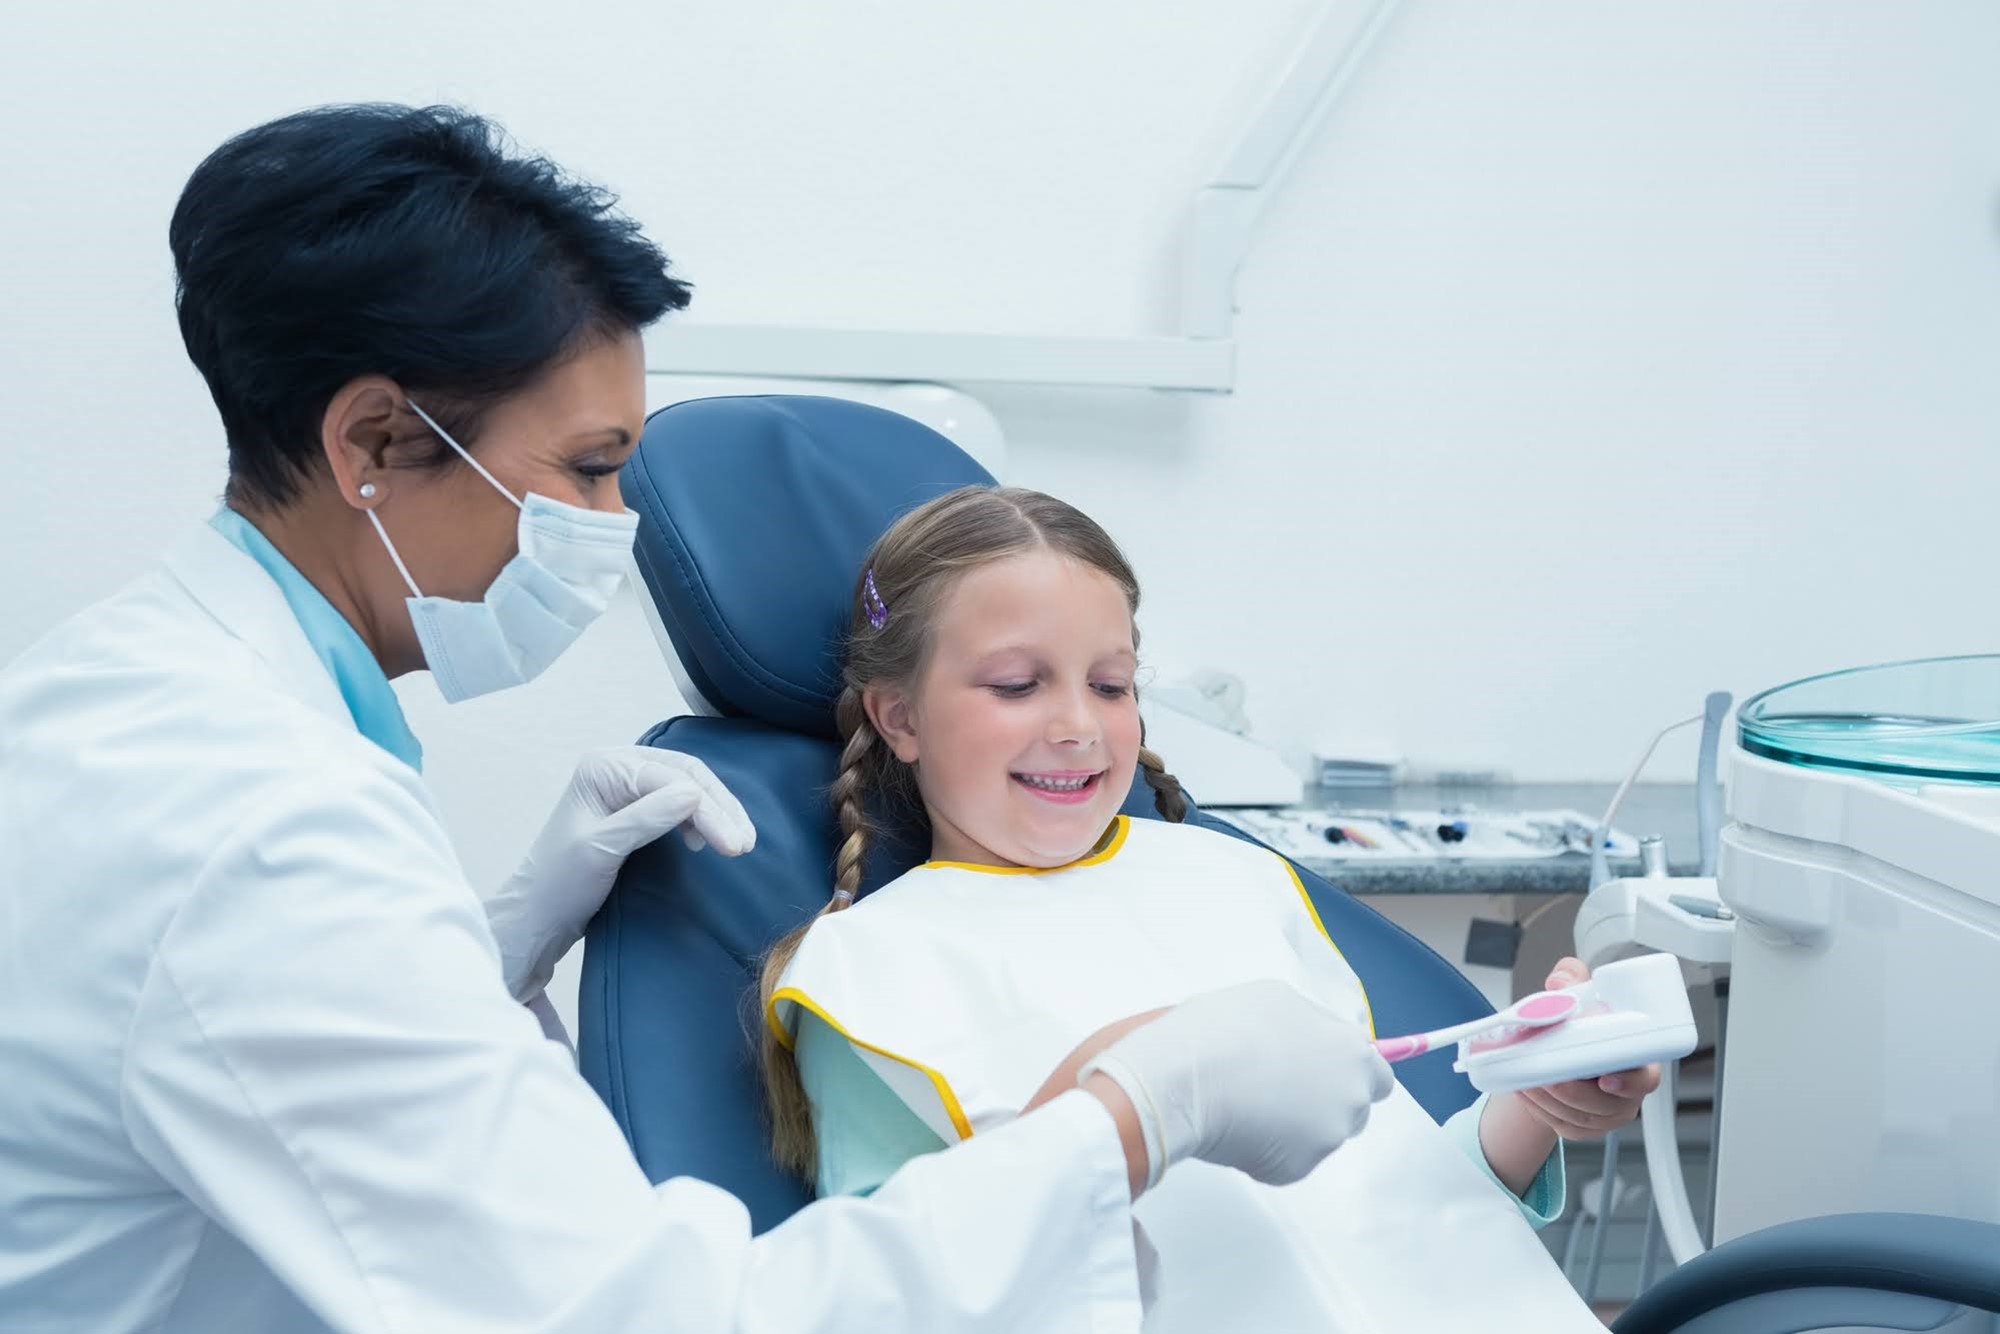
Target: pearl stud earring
368,490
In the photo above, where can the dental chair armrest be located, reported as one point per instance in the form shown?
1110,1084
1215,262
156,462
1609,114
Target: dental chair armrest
1880,1270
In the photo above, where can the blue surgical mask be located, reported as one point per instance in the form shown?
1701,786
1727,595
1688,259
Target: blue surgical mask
567,567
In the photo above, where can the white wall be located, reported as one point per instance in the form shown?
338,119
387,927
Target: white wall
1596,356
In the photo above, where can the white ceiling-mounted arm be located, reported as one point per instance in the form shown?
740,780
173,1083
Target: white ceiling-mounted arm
782,351
1227,208
1202,356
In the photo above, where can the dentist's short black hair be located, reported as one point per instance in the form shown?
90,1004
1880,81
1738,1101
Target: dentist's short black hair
411,242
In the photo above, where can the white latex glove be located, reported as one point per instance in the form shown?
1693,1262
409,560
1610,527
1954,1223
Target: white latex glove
619,800
1255,1077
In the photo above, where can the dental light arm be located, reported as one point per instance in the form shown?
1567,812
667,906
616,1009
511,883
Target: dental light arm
1707,782
1600,869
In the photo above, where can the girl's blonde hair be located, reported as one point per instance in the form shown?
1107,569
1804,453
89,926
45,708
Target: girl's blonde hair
913,567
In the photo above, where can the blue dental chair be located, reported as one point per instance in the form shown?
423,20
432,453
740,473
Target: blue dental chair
754,516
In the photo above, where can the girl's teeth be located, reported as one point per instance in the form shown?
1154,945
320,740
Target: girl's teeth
1055,784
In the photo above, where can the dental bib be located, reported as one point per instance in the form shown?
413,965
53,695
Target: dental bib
963,988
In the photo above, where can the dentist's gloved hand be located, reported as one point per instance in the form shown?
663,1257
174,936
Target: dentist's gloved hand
1255,1077
620,799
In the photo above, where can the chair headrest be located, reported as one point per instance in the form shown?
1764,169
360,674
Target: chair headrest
754,515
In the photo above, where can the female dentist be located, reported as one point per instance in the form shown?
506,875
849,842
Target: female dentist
264,1061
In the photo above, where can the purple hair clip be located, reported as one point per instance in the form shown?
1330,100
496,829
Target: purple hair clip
871,601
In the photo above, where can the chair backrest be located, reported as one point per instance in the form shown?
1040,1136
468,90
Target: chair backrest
754,516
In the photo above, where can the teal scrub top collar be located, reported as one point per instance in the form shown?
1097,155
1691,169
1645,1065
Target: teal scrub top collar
370,700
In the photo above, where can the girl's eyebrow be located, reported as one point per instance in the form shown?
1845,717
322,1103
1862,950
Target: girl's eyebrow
1022,649
1034,653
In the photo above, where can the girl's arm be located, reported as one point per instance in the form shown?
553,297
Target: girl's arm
1063,1079
1516,1143
1105,1089
1518,1131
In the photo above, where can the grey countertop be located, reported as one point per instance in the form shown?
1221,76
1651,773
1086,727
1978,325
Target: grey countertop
1666,809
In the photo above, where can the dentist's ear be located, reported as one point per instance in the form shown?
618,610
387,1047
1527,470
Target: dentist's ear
888,708
357,432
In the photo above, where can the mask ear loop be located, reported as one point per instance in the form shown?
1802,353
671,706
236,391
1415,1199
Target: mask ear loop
477,466
390,547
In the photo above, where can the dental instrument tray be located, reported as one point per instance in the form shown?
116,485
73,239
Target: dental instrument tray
1458,834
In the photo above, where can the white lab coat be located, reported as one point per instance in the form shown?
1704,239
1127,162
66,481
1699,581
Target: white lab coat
258,1070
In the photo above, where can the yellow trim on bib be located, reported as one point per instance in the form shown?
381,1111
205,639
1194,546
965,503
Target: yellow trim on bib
1120,826
1313,913
938,1082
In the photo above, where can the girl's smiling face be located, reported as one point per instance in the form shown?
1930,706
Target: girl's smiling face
1022,727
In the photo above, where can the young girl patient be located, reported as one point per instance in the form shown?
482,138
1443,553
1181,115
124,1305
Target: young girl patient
989,682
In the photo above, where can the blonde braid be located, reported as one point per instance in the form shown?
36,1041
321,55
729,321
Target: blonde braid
794,1146
1168,799
861,754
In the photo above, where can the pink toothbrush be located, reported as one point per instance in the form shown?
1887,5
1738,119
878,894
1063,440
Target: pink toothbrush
1536,1011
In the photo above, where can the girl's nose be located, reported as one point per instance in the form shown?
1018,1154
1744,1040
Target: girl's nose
1073,723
